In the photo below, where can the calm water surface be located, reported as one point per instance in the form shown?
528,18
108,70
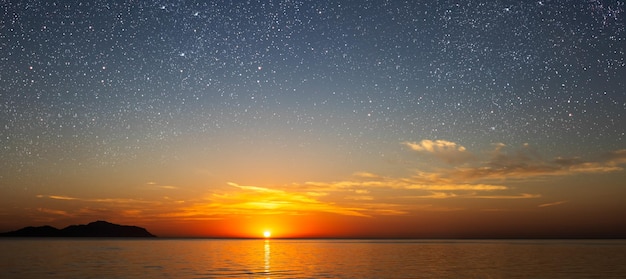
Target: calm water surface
201,258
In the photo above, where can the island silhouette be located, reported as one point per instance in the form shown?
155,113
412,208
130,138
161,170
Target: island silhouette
93,229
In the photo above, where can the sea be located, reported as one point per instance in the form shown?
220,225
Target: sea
310,258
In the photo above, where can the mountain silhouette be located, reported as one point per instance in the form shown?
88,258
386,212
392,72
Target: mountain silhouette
93,229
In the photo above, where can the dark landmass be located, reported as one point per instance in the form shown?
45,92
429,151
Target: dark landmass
93,229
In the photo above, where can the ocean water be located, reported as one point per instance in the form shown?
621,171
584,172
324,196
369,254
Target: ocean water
276,258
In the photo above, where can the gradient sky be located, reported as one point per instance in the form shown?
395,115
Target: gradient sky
315,118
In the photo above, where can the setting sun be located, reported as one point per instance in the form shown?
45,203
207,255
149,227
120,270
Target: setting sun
267,234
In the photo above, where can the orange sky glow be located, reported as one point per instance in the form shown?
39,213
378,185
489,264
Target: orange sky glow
443,190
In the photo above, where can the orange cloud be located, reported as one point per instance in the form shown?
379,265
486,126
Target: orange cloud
448,195
168,187
254,200
509,197
99,200
53,211
435,146
402,183
552,204
447,151
54,197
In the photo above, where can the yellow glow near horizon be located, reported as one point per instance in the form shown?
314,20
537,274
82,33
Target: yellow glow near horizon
267,234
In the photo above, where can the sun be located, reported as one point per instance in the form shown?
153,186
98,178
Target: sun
267,234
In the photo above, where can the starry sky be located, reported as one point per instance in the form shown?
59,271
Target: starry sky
315,118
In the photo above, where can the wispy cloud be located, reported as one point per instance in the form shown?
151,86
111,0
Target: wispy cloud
255,188
157,185
508,197
473,195
366,175
289,200
53,211
253,200
552,204
616,157
168,187
403,183
526,162
55,197
433,195
97,200
114,208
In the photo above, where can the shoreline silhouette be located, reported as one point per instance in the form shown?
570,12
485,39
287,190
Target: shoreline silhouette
93,229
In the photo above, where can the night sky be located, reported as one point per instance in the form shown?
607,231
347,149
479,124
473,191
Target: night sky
359,118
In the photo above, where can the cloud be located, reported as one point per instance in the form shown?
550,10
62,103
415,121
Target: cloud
447,151
316,194
594,167
526,162
616,157
255,200
435,195
168,187
435,146
551,204
500,157
253,188
402,183
366,175
294,199
53,211
245,200
55,197
509,197
568,162
457,187
367,194
359,198
119,208
406,192
97,200
448,195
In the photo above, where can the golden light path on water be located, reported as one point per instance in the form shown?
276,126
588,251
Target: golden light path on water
266,258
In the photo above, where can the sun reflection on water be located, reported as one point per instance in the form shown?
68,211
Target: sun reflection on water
266,258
